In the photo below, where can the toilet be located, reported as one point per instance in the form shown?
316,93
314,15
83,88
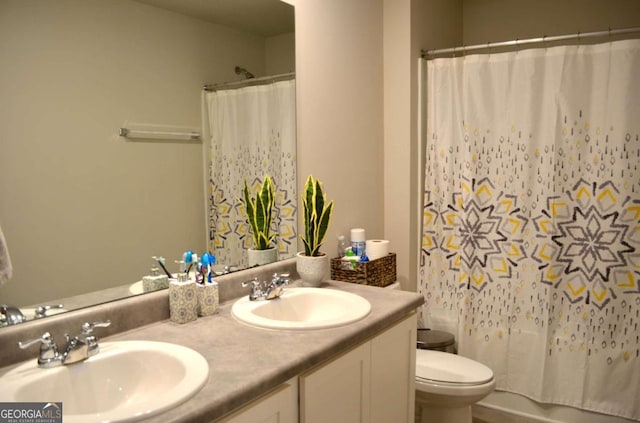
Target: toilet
447,384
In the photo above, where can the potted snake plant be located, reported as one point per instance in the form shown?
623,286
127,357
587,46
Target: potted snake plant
312,264
259,209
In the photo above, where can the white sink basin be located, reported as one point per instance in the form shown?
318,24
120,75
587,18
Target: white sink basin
303,308
125,381
136,288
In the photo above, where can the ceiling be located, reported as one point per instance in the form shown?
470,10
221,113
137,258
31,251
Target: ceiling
262,17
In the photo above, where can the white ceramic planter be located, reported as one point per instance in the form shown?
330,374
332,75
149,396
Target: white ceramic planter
312,270
260,257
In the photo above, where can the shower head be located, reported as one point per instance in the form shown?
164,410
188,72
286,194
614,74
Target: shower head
243,71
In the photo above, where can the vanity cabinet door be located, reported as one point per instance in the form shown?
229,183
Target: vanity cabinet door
373,383
393,369
278,406
338,392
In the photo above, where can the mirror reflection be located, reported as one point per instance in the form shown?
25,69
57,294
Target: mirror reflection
252,155
82,209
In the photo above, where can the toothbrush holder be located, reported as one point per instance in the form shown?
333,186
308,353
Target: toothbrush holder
183,301
208,298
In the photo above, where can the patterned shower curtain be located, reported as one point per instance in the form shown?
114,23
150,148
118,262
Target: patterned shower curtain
531,219
251,132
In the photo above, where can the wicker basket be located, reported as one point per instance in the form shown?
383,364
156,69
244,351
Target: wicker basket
378,272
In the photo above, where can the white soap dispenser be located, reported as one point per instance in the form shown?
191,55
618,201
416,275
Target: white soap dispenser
155,280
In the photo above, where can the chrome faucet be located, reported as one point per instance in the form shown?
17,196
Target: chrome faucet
78,348
12,315
267,290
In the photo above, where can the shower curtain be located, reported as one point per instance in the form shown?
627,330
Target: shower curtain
531,219
251,132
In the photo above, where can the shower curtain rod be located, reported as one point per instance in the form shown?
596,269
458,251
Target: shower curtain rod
543,39
250,82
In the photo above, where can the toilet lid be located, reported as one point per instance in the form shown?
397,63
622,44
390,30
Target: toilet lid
429,339
440,366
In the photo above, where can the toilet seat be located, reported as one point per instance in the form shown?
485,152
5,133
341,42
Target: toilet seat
449,369
446,385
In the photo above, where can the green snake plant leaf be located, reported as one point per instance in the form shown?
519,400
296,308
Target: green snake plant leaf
259,213
323,226
317,216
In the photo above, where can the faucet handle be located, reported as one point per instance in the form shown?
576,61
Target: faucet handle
87,338
46,340
48,356
87,328
281,278
42,310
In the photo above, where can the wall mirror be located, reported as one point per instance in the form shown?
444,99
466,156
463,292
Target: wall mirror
83,210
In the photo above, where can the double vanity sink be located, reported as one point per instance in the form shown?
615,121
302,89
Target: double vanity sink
213,365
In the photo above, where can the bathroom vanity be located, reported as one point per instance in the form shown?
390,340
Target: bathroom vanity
363,371
372,382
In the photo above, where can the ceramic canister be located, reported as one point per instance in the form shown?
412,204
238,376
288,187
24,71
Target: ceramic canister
183,301
207,298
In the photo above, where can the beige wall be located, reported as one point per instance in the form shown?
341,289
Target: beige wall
340,109
503,20
399,185
279,54
409,26
357,112
80,207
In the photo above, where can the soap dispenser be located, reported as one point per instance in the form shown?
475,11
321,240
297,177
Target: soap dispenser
183,299
155,280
